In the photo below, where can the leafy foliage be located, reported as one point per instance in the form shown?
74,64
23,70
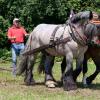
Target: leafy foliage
33,12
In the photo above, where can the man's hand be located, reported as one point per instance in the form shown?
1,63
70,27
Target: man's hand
12,38
27,35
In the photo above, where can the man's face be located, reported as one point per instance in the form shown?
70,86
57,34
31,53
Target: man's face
16,23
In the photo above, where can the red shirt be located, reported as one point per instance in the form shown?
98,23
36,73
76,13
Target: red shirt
18,32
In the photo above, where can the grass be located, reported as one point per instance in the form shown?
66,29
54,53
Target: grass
13,88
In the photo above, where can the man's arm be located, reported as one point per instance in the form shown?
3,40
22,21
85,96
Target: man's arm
9,35
11,38
25,33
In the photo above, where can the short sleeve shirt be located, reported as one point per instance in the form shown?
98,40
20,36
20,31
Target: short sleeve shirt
19,33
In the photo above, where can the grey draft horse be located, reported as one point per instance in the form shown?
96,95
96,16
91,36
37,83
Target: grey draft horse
47,61
75,48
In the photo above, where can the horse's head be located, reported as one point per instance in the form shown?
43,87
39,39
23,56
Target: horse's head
93,29
91,32
80,23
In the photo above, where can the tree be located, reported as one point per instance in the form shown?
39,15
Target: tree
33,12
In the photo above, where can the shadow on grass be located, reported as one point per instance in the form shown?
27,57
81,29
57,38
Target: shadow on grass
79,84
92,86
60,85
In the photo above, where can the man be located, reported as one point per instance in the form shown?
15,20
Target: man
16,34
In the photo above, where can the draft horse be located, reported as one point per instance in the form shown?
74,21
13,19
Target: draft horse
92,52
74,48
47,61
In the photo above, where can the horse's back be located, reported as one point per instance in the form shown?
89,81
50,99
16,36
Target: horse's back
45,28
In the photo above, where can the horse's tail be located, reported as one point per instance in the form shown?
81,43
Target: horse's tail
22,66
41,67
23,59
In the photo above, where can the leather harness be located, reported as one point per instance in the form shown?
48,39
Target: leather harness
58,41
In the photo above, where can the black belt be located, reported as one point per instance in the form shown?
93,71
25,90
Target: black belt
18,42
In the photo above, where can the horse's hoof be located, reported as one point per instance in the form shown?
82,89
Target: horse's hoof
69,84
50,84
86,82
30,83
69,87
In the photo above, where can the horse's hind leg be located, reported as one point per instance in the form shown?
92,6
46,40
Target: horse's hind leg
68,82
29,75
46,65
49,62
49,79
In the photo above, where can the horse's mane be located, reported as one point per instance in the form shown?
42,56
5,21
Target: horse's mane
81,16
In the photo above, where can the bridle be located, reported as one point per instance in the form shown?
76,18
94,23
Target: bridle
76,36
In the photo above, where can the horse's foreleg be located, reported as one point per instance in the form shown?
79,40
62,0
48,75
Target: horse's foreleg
29,75
93,76
68,82
85,69
63,65
79,62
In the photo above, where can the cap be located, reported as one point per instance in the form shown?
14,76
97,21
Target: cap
15,19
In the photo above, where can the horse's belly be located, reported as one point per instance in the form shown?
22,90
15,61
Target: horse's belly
55,52
63,49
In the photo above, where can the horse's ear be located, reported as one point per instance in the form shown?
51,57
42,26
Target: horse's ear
91,15
71,13
84,16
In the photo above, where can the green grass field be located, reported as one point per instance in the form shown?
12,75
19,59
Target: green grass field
14,89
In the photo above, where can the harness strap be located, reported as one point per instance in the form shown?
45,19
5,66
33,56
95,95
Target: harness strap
47,46
54,32
53,35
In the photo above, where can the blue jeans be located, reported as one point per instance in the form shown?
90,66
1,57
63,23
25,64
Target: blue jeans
16,49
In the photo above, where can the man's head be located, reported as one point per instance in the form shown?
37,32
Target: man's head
16,22
95,16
